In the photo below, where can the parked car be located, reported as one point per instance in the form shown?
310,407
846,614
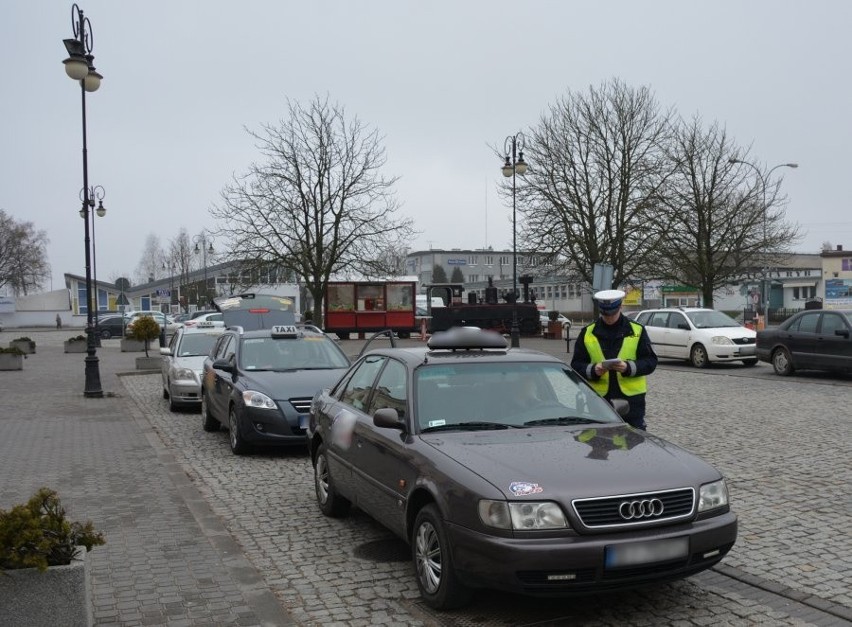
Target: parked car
111,326
183,363
816,339
701,336
215,317
553,495
258,384
160,317
545,319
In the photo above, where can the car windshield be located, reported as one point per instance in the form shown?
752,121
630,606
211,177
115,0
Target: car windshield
282,354
711,319
196,344
476,396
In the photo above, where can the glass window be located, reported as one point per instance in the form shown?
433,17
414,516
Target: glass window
400,297
390,389
808,323
341,297
369,297
676,319
831,322
358,388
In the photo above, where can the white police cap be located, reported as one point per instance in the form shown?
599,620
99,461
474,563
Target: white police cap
609,300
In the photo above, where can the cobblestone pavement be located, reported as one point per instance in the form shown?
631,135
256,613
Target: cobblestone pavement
782,443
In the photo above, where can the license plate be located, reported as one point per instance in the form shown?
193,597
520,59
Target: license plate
304,419
647,552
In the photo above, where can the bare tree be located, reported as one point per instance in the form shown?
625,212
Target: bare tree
711,218
596,163
318,203
150,265
179,261
23,256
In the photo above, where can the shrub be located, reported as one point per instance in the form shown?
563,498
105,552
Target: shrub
78,338
145,329
38,534
13,350
553,315
23,338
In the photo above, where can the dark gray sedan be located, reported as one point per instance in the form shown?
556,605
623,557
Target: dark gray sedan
504,469
813,339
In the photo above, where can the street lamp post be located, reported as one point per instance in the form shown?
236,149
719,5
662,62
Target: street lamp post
205,249
765,286
514,164
94,193
79,67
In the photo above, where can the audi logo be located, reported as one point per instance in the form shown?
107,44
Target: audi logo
634,510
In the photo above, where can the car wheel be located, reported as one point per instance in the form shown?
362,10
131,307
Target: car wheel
433,563
238,444
698,356
172,405
782,362
329,501
208,422
749,362
105,334
165,390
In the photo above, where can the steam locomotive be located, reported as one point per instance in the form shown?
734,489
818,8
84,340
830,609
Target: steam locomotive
488,314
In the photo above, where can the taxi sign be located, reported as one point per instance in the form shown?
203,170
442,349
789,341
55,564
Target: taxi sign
284,330
205,324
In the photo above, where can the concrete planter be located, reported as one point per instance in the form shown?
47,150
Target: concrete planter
129,345
77,346
9,361
61,595
149,363
26,346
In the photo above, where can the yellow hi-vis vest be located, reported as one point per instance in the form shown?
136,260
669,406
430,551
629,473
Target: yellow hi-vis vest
630,386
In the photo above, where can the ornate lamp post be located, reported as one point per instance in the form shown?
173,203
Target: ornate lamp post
205,249
79,67
765,289
513,151
95,193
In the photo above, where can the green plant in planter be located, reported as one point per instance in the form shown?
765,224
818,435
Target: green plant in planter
78,338
13,350
145,329
23,338
38,535
553,315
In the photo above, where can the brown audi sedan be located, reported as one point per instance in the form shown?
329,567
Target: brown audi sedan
503,469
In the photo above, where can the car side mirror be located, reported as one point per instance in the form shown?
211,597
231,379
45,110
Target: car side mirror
165,350
621,406
842,333
388,418
224,364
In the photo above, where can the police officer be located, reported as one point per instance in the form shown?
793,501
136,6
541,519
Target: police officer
615,355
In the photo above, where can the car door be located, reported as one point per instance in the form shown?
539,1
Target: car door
677,334
221,383
834,341
655,325
347,416
801,340
381,456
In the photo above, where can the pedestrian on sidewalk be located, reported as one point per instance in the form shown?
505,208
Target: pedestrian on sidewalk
58,321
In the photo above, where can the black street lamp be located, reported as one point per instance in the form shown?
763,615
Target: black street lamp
205,249
513,150
78,66
765,288
95,193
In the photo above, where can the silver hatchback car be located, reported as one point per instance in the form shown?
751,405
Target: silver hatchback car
183,362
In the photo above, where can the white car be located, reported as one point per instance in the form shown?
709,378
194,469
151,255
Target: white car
214,317
701,336
183,362
545,318
159,316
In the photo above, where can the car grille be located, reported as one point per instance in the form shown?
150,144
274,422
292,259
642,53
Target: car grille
605,511
301,405
744,340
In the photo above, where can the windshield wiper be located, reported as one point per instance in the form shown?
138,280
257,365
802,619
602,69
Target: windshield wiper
474,425
564,420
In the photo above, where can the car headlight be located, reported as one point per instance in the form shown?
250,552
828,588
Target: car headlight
185,373
721,340
712,495
529,515
258,399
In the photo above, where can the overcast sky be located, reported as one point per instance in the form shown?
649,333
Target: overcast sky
443,82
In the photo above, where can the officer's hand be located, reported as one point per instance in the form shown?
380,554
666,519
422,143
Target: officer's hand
621,366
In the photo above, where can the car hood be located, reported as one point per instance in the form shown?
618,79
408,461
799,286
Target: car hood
196,362
566,463
281,386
